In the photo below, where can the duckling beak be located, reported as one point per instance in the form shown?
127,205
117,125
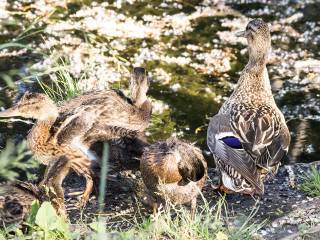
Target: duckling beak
241,34
11,112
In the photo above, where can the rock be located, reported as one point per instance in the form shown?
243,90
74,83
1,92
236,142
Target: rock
308,65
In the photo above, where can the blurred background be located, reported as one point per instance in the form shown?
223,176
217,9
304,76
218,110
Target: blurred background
189,48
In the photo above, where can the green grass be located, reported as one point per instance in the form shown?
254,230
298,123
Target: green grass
170,223
177,223
103,176
311,183
56,81
62,85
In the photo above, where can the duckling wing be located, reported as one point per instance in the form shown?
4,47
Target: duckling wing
225,145
97,112
262,132
74,118
87,98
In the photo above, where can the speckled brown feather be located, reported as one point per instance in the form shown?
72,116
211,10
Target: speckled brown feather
15,201
252,116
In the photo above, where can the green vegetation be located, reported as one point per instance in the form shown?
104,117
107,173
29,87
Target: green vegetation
169,223
42,223
311,183
16,162
103,176
208,223
61,86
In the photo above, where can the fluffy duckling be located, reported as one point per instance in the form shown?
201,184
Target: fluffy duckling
173,171
249,136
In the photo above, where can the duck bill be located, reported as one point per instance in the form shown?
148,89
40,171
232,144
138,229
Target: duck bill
11,112
241,34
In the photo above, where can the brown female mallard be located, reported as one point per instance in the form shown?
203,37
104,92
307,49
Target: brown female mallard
249,136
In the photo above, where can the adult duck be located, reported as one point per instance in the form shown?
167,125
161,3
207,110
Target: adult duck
249,136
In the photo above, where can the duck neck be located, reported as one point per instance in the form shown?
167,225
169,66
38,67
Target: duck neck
139,97
257,59
141,101
255,74
146,109
40,133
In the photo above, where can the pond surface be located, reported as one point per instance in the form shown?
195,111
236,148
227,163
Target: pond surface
188,47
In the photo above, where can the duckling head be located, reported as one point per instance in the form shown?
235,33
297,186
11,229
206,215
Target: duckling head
259,39
32,106
139,85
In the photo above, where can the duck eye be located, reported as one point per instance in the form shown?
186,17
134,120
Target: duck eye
249,27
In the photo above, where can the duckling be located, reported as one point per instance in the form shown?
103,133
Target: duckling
70,130
16,197
15,201
173,171
41,139
249,136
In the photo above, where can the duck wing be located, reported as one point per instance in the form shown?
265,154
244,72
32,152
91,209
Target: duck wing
226,146
98,111
262,132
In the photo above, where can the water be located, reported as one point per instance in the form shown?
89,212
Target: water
194,60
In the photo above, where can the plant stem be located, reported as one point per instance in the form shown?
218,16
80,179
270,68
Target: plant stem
103,176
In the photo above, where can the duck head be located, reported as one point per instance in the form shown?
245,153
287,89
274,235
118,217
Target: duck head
139,85
259,39
32,106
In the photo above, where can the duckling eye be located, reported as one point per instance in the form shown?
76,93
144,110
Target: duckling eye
29,96
232,142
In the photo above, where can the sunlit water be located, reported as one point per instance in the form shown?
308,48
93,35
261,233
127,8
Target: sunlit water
191,87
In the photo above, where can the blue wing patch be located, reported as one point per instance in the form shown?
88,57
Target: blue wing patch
232,142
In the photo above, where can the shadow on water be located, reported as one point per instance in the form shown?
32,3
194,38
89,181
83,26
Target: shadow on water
305,141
